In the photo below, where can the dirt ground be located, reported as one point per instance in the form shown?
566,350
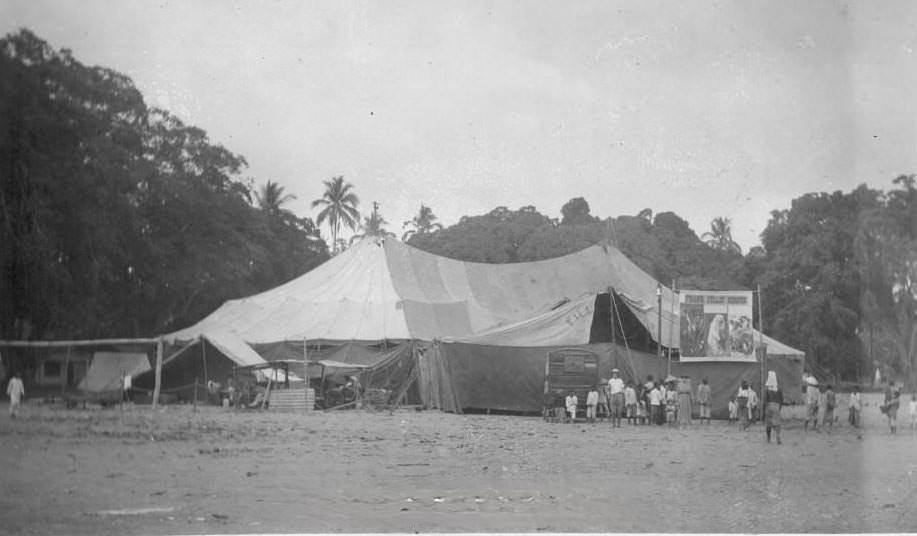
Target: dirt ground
99,471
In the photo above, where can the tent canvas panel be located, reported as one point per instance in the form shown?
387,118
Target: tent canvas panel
107,368
512,378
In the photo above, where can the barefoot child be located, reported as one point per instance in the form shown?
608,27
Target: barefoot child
733,410
592,400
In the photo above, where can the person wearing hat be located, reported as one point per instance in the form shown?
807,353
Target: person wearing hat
616,396
773,401
812,396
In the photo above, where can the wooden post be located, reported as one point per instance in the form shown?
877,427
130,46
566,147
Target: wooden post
158,375
611,309
763,351
305,371
659,325
671,326
66,371
195,394
204,359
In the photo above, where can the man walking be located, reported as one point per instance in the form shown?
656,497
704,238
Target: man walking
16,391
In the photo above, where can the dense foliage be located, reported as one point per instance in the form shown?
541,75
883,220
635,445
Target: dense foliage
117,218
837,271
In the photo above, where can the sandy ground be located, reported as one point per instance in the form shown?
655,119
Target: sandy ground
217,471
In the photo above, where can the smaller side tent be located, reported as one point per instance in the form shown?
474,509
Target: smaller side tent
107,369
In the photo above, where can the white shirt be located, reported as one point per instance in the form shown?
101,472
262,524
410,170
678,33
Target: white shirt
592,398
655,397
15,389
855,401
616,385
630,395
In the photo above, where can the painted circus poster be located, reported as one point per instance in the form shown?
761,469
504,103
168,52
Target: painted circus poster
716,326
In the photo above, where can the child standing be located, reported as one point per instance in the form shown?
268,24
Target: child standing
592,400
630,403
571,403
733,410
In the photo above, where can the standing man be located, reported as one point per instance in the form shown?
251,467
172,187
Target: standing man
773,401
16,391
683,388
657,406
830,403
616,393
703,400
742,398
811,403
891,405
856,406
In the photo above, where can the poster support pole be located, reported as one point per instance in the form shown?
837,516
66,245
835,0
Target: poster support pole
659,325
763,351
671,317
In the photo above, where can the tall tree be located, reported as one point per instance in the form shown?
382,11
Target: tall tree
576,212
373,226
720,236
811,281
421,224
117,219
272,197
340,207
885,246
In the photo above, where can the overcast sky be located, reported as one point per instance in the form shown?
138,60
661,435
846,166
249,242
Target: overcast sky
702,108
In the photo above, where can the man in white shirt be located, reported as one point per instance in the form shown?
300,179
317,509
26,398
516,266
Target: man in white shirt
16,391
571,403
656,408
592,400
616,392
742,398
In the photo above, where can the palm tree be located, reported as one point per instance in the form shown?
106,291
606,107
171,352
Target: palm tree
340,207
271,197
423,223
720,236
373,225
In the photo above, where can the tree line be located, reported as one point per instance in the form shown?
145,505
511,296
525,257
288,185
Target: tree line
120,220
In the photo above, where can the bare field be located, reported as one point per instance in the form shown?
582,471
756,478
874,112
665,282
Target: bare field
217,471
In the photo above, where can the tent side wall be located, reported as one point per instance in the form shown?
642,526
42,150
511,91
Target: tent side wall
459,376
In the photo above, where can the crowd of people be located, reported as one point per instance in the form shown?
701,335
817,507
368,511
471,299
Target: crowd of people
668,401
674,401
